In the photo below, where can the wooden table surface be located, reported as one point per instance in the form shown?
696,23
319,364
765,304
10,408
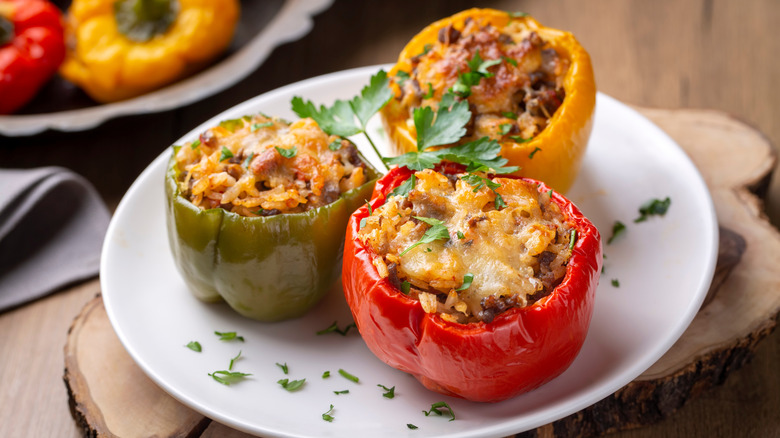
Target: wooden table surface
696,54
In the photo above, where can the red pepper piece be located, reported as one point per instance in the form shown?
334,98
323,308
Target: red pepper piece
32,51
521,349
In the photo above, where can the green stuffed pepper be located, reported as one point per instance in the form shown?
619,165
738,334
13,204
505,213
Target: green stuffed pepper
256,213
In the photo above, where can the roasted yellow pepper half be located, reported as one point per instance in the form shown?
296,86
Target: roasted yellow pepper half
125,48
552,154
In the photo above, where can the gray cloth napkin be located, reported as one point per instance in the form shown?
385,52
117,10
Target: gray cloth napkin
52,224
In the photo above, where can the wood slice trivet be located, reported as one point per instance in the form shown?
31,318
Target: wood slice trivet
110,395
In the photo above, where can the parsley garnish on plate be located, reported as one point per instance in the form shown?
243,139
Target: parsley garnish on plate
533,152
228,378
326,374
411,426
283,367
334,328
256,126
440,409
653,207
348,376
617,229
389,392
229,336
346,391
291,385
615,282
233,360
194,346
326,416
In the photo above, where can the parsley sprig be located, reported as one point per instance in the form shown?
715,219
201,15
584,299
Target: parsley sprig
437,231
339,119
441,408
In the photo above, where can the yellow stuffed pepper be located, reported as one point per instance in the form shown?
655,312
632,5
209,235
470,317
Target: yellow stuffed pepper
528,86
120,49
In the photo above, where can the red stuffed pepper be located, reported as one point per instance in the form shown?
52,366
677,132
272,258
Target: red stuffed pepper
480,287
32,48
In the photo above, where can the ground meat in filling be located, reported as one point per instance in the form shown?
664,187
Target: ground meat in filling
515,102
512,256
262,166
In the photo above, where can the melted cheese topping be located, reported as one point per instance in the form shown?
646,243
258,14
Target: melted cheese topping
520,94
239,166
516,255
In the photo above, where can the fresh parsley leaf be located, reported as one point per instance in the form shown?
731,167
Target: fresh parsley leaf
460,235
519,139
509,115
437,231
346,391
372,98
440,408
228,377
389,392
509,61
653,207
467,279
287,153
533,152
326,416
334,328
617,229
516,14
550,193
478,155
283,367
572,240
194,145
291,385
615,282
326,374
336,120
229,336
348,376
415,160
404,188
233,360
233,124
499,201
411,426
194,346
401,77
248,160
406,287
256,126
225,154
335,145
448,125
504,128
429,94
426,48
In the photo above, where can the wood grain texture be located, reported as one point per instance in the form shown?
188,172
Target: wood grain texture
716,54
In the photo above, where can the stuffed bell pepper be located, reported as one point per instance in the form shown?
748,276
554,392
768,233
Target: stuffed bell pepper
32,48
530,87
256,213
481,287
120,49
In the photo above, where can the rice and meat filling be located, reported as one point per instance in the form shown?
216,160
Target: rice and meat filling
521,87
516,254
261,166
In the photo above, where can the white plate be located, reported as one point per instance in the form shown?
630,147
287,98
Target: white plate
256,36
664,267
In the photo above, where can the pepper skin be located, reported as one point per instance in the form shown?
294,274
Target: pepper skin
518,351
561,145
266,268
31,49
110,65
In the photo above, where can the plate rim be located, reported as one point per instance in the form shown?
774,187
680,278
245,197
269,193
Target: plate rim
555,412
